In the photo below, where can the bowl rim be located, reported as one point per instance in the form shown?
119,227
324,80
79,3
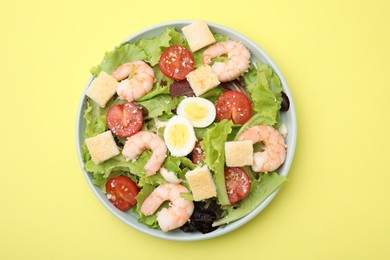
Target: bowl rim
233,225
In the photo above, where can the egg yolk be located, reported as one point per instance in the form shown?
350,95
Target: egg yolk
195,111
178,135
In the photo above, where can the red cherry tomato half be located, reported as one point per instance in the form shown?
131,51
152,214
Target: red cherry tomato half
234,105
237,184
124,120
121,192
176,62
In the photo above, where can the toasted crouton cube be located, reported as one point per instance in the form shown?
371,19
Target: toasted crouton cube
102,147
201,183
102,88
198,35
202,80
239,153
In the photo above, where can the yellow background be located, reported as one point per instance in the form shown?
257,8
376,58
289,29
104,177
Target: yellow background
335,56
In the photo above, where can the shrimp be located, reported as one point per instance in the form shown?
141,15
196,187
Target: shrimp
141,141
274,152
177,214
136,87
238,63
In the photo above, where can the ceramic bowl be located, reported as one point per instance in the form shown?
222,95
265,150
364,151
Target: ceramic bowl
288,119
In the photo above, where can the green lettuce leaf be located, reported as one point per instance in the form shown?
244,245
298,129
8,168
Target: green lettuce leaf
148,50
157,90
212,94
123,53
278,120
265,90
185,162
272,79
149,125
95,118
160,78
172,164
260,190
100,181
95,124
179,166
160,104
150,221
119,163
200,132
176,38
154,180
154,47
213,145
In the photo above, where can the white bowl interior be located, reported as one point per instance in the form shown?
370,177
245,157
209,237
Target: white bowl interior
288,119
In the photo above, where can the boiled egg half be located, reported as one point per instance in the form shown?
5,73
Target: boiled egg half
179,136
200,112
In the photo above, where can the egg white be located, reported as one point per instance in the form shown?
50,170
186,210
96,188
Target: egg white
172,133
188,109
